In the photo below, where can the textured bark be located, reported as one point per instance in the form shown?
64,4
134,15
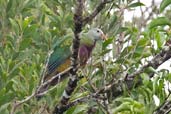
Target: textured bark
165,108
134,79
72,83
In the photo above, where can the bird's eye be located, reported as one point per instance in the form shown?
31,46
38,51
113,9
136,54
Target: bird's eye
98,31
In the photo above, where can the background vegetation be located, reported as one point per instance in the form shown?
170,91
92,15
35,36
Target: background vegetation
30,28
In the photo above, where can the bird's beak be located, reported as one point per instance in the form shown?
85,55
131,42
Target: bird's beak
104,37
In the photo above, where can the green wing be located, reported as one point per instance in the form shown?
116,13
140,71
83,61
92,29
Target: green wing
60,54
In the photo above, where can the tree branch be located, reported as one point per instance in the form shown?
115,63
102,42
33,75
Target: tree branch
59,77
130,82
96,11
72,83
159,59
36,93
117,85
16,104
164,109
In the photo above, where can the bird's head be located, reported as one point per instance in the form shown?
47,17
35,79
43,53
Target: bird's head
97,34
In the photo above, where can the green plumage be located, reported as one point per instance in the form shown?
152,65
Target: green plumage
62,50
60,53
60,58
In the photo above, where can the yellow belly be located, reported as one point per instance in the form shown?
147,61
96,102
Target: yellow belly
63,66
59,69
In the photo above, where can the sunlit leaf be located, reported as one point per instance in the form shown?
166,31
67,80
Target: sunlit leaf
26,42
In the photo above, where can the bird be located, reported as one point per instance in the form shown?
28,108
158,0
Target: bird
59,60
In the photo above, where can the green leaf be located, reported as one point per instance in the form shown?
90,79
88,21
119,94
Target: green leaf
122,29
136,4
160,39
164,4
105,52
25,43
6,98
79,95
138,52
30,31
113,21
107,42
14,69
142,42
27,21
159,22
128,104
9,86
14,25
151,69
4,108
9,5
123,107
80,108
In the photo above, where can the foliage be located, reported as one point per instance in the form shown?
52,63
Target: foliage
30,29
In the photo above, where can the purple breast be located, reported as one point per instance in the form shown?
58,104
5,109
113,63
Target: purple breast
84,53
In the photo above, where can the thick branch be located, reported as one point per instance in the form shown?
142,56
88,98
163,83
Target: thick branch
164,109
130,81
72,83
134,80
159,59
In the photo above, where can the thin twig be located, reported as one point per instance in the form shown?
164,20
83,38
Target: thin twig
51,80
43,109
43,73
16,104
